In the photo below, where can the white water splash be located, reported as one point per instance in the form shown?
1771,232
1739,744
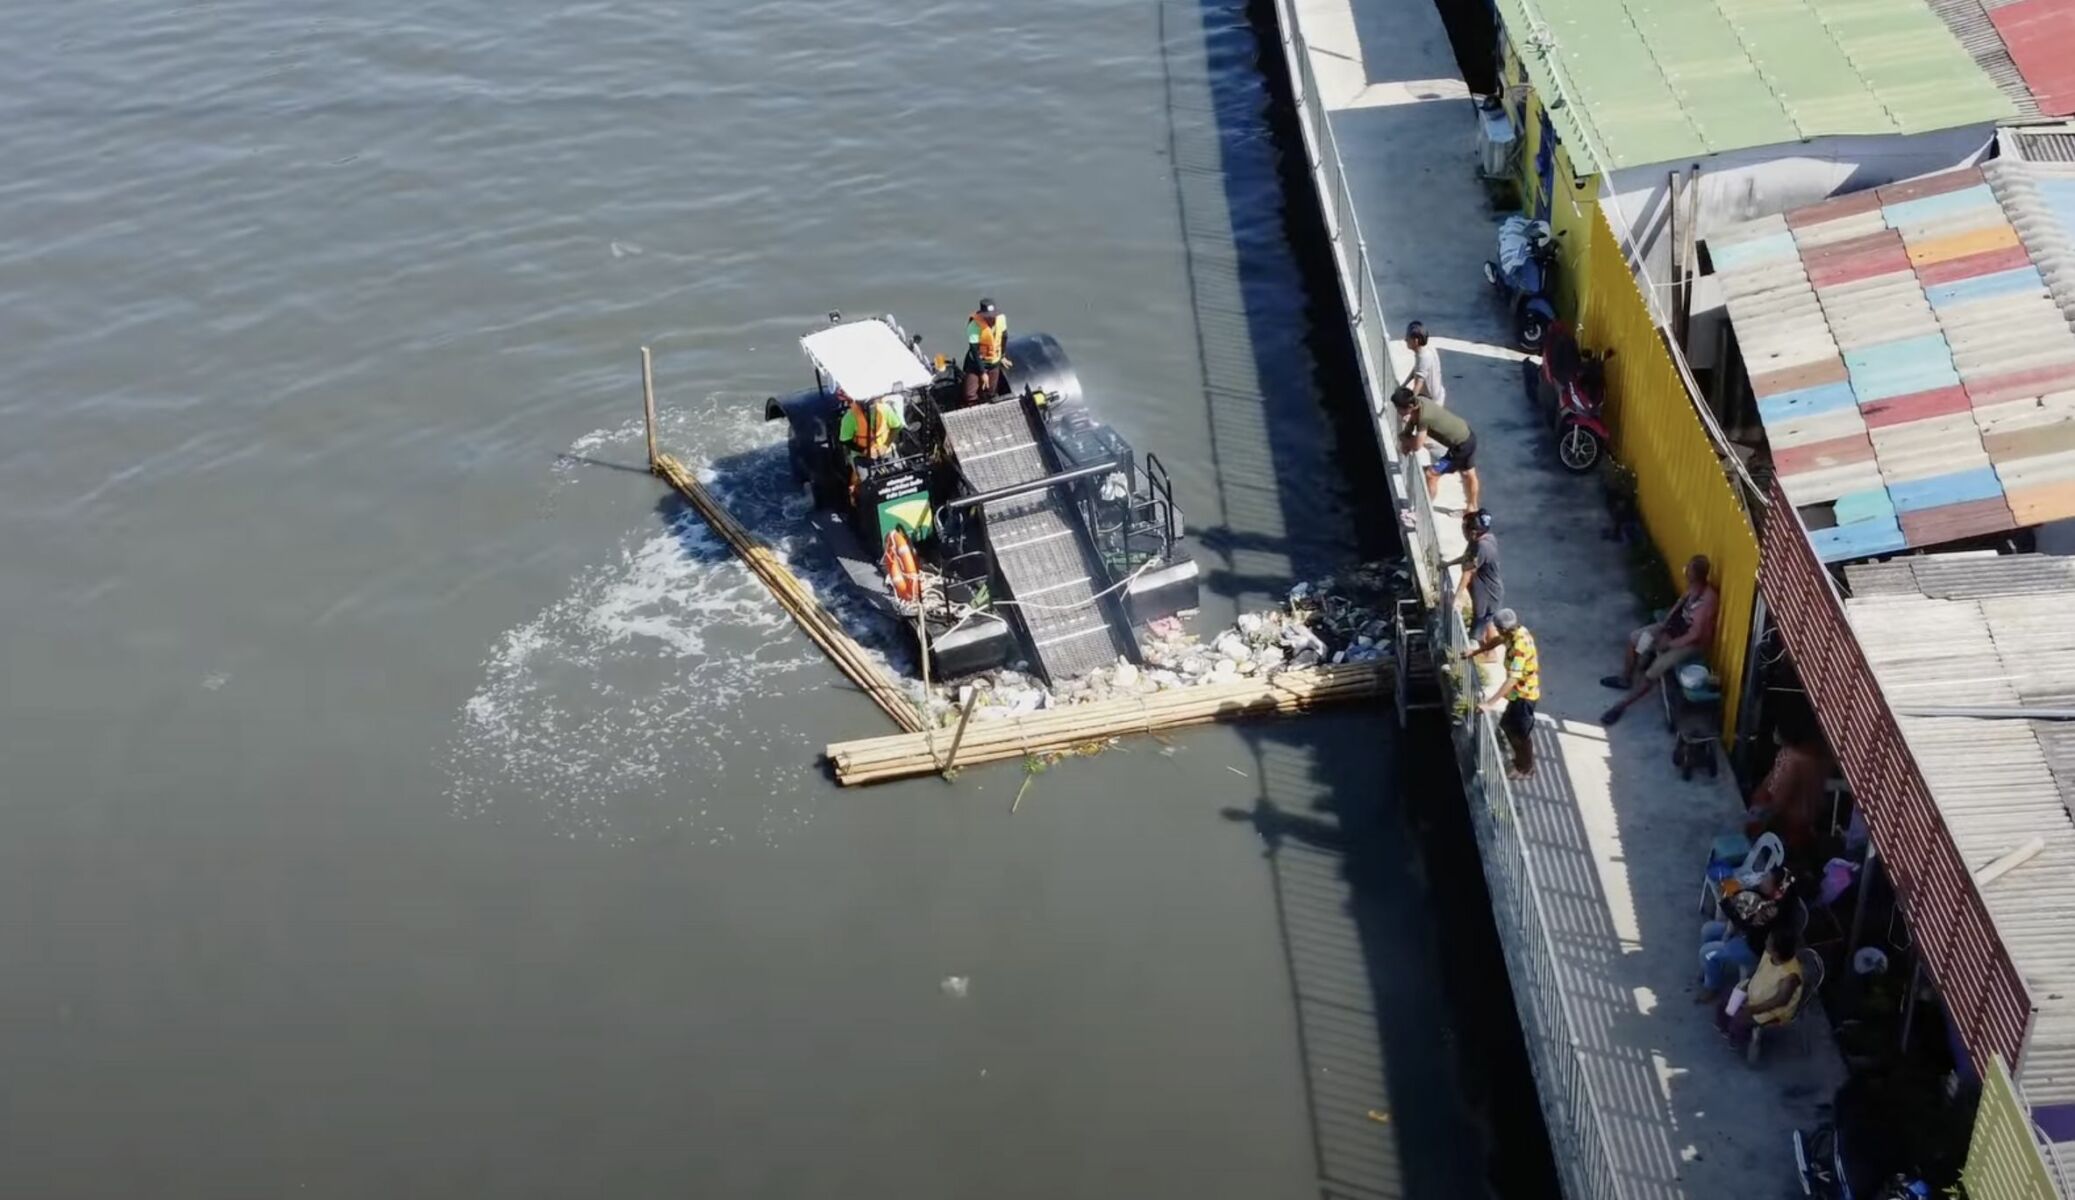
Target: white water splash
665,693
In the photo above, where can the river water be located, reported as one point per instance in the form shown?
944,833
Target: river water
404,797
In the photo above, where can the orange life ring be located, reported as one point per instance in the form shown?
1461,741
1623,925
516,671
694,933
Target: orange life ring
901,572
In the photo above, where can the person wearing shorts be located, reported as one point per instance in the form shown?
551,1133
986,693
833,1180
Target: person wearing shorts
1654,651
1422,421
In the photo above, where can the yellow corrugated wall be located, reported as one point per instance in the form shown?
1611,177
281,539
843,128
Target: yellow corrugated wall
2003,1158
1573,214
1688,504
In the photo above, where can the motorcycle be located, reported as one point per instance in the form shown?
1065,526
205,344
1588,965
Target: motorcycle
1828,1173
1569,386
1525,274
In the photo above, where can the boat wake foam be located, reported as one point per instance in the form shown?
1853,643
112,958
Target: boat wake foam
665,695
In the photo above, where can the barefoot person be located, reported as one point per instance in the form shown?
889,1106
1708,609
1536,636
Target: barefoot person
1682,637
1424,419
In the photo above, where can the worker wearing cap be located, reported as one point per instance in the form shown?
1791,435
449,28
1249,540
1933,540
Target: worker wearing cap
986,339
1519,691
1479,587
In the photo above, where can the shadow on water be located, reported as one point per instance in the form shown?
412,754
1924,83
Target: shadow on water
1416,1075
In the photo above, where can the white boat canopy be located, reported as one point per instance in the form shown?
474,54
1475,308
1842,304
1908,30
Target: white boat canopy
865,358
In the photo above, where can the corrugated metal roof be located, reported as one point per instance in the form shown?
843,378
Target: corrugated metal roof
1655,82
2038,34
1913,361
1993,780
1963,576
2044,143
1970,23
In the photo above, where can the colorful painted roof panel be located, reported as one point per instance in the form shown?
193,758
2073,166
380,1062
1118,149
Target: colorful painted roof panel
1651,81
2038,34
1912,350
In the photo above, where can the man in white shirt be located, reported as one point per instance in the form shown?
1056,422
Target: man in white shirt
1426,381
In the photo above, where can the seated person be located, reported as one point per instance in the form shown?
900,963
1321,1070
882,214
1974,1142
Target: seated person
1773,993
1730,946
1683,636
867,432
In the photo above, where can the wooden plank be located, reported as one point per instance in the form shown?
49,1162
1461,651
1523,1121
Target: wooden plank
1063,730
794,596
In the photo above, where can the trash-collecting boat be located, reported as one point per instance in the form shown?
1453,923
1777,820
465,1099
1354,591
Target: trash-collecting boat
1020,529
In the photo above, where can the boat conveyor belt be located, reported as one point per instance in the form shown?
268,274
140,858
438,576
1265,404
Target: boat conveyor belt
1052,571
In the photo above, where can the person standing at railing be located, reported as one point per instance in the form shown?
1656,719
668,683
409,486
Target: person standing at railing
1479,584
1425,380
1519,691
1423,419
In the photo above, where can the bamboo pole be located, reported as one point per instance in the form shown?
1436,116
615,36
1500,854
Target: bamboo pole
794,596
873,760
958,735
648,404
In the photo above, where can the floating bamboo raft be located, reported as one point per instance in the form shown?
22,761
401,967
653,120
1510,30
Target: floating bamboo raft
807,611
875,760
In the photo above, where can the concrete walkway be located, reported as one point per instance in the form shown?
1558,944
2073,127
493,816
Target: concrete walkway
1606,814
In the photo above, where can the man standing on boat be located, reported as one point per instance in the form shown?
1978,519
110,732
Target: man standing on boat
986,336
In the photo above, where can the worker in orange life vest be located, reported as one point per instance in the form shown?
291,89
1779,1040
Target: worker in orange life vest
867,431
986,337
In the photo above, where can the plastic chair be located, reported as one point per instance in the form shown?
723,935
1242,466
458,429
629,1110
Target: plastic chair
1728,850
1765,855
1811,986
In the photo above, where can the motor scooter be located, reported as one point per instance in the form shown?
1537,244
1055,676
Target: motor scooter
1569,387
1525,274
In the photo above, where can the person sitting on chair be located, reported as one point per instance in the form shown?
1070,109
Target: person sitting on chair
1732,945
1773,993
1682,637
867,433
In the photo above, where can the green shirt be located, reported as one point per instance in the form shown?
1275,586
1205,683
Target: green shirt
888,418
1441,425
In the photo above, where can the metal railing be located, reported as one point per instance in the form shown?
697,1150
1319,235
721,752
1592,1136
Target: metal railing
1570,1109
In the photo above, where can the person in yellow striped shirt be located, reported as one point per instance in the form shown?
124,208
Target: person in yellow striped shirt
1519,691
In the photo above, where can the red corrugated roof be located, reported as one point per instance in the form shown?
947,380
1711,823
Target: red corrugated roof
1916,406
1951,522
2039,35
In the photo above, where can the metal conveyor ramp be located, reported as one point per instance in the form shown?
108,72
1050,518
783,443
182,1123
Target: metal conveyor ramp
1039,547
